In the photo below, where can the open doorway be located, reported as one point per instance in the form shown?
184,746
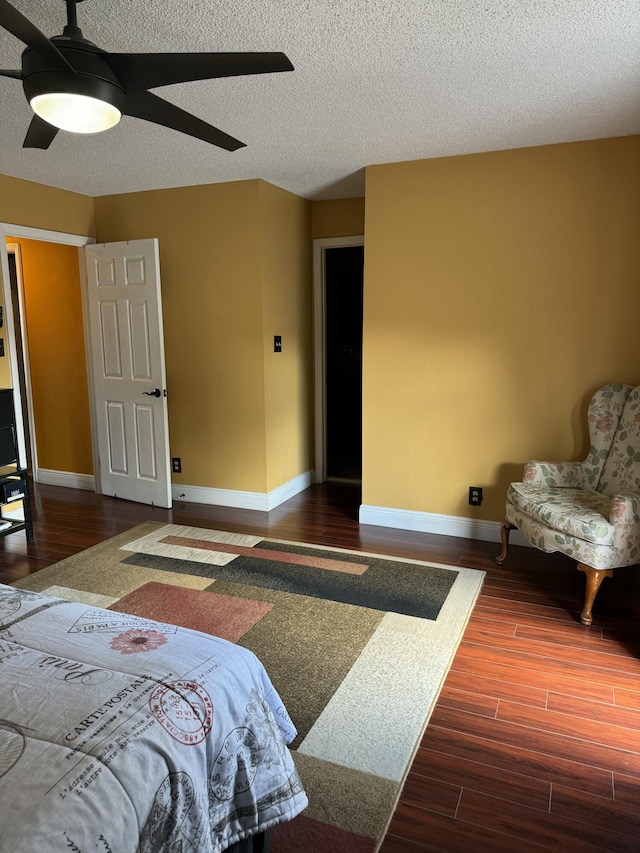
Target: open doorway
343,302
53,349
338,308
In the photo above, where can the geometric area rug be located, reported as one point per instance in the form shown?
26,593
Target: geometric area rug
357,645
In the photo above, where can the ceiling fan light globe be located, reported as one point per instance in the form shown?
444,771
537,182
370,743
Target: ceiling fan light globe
75,113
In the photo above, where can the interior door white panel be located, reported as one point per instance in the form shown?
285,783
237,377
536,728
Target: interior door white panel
110,338
140,344
145,442
105,272
125,312
135,270
116,438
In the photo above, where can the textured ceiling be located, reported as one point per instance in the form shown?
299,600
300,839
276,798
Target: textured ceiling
375,81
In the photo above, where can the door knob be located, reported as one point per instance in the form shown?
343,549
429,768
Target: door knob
155,393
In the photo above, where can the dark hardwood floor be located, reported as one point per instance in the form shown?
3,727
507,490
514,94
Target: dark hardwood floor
534,743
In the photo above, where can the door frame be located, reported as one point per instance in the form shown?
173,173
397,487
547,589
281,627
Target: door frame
320,245
16,250
8,230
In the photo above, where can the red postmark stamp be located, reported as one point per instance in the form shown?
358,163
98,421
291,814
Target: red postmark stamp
184,709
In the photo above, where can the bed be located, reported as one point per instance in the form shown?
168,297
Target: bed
121,734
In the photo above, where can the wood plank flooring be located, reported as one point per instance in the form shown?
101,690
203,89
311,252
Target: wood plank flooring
534,743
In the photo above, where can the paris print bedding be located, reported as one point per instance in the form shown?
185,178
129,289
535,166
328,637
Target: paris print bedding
121,734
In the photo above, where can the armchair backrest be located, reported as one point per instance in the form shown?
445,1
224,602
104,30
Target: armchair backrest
605,411
621,471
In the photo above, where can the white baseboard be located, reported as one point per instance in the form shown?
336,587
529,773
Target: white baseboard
261,501
290,489
431,522
66,478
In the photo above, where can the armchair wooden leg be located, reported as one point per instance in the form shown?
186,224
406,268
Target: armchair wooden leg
594,579
507,527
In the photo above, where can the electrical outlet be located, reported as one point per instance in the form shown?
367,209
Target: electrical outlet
475,495
176,465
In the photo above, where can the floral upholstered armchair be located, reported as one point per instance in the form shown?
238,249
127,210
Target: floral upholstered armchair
588,510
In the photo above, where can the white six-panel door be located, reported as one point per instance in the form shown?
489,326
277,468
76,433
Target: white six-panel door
127,355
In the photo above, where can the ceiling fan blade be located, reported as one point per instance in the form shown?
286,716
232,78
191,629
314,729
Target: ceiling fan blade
150,107
8,72
22,28
40,134
138,71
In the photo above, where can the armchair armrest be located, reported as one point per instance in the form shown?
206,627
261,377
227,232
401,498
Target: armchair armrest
568,475
625,517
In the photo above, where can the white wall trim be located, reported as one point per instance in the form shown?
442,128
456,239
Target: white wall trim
431,522
261,501
44,235
67,479
86,329
220,497
290,489
15,249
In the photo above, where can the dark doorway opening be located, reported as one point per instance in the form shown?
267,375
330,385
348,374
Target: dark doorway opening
343,312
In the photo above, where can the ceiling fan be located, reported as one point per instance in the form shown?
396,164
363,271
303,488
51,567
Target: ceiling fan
72,84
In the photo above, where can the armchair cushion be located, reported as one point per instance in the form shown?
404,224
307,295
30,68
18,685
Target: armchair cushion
547,539
574,512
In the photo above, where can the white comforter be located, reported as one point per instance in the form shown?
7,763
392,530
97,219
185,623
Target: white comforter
119,734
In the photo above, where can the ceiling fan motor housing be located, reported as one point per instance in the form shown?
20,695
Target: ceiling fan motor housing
93,78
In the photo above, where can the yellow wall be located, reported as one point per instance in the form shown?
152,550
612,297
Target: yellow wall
501,290
343,217
286,271
212,251
53,308
27,203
